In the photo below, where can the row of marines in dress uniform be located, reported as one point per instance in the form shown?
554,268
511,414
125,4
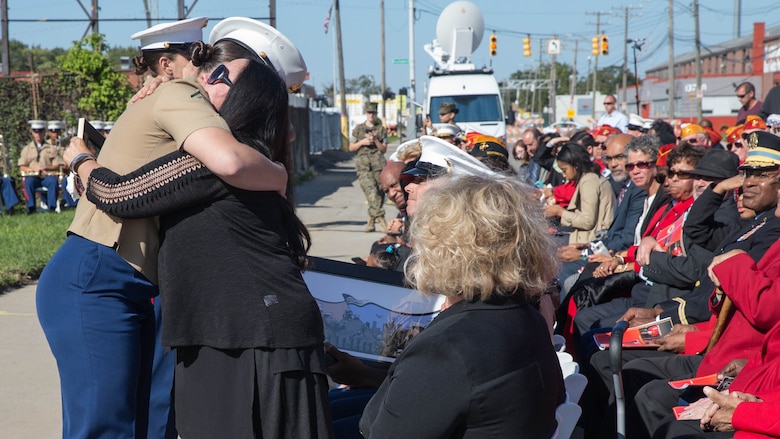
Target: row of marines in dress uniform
42,168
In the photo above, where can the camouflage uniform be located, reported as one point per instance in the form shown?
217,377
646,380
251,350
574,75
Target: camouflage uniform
368,164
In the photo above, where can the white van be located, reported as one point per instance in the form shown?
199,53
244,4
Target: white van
476,93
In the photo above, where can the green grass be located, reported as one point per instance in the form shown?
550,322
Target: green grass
27,242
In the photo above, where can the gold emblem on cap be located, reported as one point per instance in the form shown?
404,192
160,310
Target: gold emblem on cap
449,165
753,140
483,146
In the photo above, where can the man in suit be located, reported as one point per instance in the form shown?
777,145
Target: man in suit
630,202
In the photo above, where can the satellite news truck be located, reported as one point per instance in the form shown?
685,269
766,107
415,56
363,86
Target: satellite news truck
454,78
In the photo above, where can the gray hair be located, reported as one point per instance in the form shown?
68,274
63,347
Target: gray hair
647,145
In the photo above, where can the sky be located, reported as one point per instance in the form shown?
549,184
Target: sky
303,22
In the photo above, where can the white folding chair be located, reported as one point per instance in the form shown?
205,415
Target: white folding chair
568,368
564,357
567,415
575,385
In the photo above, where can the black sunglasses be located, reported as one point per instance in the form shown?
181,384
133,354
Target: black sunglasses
681,175
735,145
220,74
641,165
741,96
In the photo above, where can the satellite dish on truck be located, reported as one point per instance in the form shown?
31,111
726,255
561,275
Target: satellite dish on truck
459,31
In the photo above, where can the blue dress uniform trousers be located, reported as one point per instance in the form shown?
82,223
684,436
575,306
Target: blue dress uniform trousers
10,199
32,183
97,316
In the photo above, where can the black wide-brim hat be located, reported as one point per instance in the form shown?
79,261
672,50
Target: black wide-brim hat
718,164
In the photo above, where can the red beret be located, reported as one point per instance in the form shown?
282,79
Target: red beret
663,151
604,130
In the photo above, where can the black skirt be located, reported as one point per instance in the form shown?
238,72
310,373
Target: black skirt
251,393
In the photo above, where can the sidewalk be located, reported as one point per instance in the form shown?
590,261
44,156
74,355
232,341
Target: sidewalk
331,205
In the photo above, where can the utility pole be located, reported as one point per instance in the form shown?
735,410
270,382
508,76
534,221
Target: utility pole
671,60
626,14
271,13
595,65
697,42
384,85
553,85
6,45
182,11
411,124
737,18
573,79
342,83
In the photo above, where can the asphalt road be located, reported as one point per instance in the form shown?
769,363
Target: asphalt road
333,207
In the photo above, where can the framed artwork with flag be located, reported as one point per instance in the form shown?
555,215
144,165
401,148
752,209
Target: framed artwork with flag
368,312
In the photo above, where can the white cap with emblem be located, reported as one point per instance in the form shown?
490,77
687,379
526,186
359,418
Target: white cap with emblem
163,35
266,42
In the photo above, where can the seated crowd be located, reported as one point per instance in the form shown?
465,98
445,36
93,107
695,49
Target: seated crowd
649,224
43,171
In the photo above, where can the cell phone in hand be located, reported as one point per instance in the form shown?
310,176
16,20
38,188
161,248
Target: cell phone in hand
724,383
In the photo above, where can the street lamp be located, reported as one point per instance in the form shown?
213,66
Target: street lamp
636,45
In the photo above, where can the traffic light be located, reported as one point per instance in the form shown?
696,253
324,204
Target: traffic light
595,50
604,45
527,46
493,44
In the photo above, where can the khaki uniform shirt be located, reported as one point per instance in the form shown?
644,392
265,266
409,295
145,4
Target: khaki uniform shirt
359,132
149,129
46,157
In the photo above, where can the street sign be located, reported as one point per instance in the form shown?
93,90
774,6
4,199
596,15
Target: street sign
554,47
570,113
401,61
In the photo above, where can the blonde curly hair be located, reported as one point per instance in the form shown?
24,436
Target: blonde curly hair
474,237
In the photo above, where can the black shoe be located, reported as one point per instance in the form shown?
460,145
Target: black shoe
30,210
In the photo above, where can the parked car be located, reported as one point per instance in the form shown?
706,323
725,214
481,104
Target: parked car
565,127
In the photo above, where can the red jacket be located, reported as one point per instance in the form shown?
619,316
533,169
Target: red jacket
755,291
754,420
660,220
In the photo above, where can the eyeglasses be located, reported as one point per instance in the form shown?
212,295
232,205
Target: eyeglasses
764,176
681,175
742,96
609,103
660,178
735,145
641,165
615,157
692,140
220,74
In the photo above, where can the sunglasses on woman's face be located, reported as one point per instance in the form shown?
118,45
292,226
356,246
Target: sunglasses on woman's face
220,74
681,175
641,165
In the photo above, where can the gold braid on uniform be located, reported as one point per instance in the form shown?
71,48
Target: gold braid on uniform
163,186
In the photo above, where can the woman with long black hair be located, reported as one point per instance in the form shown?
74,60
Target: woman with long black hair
247,333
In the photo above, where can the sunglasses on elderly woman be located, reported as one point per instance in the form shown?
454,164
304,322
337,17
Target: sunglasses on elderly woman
735,145
220,74
681,175
641,165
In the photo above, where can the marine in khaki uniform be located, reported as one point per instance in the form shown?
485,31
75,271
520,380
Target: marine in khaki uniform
369,139
39,163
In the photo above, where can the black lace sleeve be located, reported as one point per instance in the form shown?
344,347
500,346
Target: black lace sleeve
170,183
